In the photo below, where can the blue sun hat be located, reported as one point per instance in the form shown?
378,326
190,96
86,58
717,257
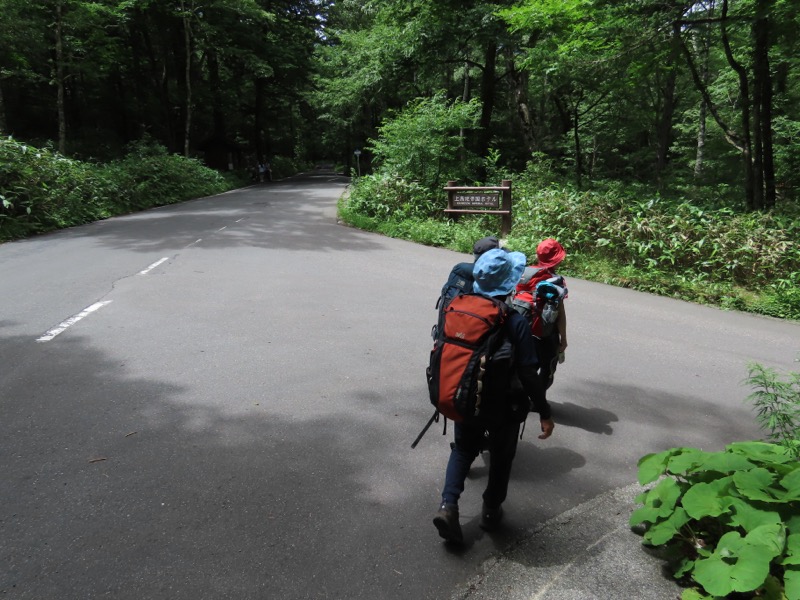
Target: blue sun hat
497,272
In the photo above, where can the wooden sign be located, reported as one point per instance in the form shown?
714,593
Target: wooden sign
485,199
492,200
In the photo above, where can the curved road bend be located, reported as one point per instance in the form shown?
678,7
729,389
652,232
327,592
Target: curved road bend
216,400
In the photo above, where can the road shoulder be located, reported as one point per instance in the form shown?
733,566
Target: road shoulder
586,552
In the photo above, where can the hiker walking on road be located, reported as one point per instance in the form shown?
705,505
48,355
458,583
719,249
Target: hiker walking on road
551,339
460,279
496,274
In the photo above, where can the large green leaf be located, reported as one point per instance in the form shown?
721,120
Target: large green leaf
653,466
726,462
791,582
762,452
793,524
736,566
771,537
662,532
748,517
756,484
792,556
658,502
792,484
687,460
707,499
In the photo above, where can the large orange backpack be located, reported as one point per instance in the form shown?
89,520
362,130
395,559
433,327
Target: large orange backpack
466,344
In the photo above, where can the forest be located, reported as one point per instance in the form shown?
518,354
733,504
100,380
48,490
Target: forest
633,129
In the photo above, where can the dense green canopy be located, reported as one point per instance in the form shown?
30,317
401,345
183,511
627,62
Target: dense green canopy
699,95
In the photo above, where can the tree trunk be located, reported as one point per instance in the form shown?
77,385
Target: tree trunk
518,85
664,127
762,105
488,93
462,133
258,119
577,139
753,195
701,141
187,47
220,129
139,82
160,82
702,47
2,110
60,95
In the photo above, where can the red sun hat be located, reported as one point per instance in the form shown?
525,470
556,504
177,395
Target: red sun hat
549,253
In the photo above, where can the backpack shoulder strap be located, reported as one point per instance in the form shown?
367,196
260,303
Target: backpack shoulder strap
528,274
463,269
459,281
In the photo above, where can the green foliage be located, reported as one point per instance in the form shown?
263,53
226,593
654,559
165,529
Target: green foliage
390,197
424,143
747,261
283,166
729,519
777,404
41,190
629,236
151,176
358,210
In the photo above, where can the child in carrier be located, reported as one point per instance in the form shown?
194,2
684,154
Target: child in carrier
541,293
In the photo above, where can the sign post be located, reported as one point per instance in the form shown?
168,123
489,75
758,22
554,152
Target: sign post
493,200
357,152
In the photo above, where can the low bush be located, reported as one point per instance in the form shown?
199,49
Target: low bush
151,176
41,190
729,522
283,166
619,235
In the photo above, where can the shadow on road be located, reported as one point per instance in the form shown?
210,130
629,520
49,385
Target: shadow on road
134,489
592,419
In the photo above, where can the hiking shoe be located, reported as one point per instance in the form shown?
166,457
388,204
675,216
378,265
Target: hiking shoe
446,521
491,517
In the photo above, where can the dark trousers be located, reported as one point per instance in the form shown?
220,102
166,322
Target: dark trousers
468,442
547,352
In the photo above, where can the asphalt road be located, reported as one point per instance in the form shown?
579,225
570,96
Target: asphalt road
233,417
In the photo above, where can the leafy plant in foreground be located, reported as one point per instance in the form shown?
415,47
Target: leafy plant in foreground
777,402
730,520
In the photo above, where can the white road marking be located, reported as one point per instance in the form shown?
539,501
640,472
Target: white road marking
71,321
153,266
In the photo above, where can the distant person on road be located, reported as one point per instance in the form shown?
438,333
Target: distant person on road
551,342
496,274
262,171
